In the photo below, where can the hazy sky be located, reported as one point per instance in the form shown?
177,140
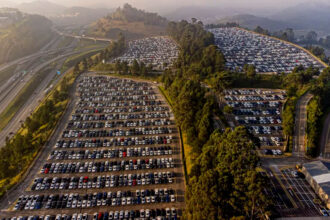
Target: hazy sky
164,5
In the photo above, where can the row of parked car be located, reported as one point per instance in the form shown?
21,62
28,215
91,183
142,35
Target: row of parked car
130,141
158,214
116,132
142,99
128,109
124,116
258,120
110,153
261,105
114,84
107,166
74,200
92,143
254,97
125,124
252,92
102,113
105,181
87,101
104,92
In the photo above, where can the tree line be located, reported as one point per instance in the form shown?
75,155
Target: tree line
19,151
223,182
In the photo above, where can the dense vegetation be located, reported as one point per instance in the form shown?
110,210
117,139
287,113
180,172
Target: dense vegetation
319,52
287,34
24,37
223,182
316,108
133,23
296,84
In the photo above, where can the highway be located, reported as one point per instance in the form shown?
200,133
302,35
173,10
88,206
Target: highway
299,143
82,37
38,94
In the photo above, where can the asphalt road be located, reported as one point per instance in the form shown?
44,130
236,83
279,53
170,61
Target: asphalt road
300,125
79,37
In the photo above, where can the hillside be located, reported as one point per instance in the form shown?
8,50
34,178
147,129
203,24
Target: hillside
133,23
64,16
25,36
45,8
310,16
251,22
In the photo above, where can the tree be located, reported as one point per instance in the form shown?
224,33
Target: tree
124,67
225,183
260,30
221,81
251,72
135,68
228,109
311,37
76,69
85,64
118,66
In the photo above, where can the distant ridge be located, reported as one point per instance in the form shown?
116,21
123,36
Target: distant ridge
310,15
252,21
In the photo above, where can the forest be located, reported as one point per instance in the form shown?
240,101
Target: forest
223,182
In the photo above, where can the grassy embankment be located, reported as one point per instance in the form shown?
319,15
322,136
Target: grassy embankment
71,61
185,147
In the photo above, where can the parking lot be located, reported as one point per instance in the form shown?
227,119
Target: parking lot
260,111
265,53
153,51
301,192
117,158
290,194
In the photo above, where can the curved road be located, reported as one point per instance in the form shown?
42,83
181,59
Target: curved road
300,125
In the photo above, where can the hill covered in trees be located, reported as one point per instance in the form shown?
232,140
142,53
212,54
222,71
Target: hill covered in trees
133,23
24,36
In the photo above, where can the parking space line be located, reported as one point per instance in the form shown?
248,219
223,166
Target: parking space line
284,188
